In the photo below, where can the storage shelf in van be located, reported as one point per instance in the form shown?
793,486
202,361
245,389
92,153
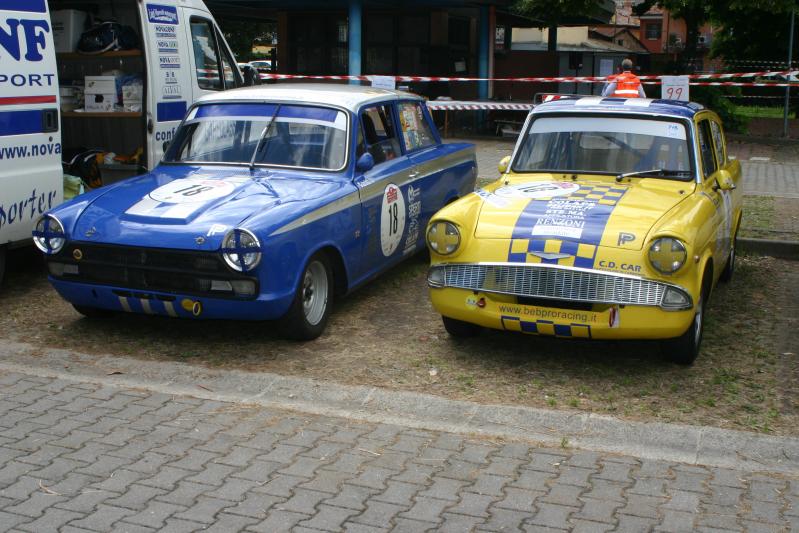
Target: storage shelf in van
118,53
119,114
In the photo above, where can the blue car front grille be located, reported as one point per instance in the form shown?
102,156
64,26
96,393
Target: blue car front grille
147,269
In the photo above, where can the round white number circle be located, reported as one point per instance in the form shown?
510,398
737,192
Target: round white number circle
192,190
539,189
392,219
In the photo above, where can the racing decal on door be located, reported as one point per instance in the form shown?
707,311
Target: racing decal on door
724,233
392,219
564,228
414,211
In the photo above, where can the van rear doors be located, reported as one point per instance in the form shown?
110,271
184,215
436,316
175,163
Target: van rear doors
30,136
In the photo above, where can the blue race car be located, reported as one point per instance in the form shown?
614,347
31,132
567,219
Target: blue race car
269,202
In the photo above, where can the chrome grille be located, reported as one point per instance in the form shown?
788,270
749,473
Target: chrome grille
549,281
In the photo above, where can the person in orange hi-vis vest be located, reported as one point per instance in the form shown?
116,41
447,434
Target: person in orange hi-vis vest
626,84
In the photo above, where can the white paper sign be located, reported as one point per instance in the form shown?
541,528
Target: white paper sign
383,82
674,88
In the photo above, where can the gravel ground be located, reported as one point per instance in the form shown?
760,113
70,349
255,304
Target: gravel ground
388,335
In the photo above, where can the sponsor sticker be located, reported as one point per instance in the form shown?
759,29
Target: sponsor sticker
544,189
158,14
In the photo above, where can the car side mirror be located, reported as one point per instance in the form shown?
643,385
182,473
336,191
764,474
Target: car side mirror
365,163
503,164
724,181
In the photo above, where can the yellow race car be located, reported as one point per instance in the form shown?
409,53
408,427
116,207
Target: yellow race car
613,219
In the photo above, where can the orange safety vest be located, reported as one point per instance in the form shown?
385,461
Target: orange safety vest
627,85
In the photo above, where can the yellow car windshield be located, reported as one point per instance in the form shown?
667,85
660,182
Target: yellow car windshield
607,145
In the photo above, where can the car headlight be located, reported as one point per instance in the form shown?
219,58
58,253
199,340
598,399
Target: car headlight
667,255
48,235
241,250
443,237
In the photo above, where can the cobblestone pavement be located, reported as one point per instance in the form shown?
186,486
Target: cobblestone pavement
761,178
78,457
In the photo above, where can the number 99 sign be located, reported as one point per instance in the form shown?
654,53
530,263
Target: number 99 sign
674,88
392,219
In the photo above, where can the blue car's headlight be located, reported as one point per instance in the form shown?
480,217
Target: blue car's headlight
241,250
48,235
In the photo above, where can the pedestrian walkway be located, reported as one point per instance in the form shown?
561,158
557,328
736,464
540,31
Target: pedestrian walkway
81,457
761,178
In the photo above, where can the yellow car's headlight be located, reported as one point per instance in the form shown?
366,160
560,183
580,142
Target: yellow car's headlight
667,255
443,237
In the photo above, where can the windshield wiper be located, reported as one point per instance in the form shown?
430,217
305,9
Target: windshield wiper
266,131
620,177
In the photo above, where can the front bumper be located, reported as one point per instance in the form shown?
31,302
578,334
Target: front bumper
560,301
264,307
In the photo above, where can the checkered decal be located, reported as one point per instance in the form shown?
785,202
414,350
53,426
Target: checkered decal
581,252
546,327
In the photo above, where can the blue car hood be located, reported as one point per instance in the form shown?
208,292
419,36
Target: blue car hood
190,207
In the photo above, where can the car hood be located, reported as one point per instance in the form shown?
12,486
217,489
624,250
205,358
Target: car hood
588,210
193,207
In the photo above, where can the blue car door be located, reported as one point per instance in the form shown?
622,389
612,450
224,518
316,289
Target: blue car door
383,189
435,179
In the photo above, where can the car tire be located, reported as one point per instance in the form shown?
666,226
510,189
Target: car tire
684,349
93,312
307,317
460,329
729,268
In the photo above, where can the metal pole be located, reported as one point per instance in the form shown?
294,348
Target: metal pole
788,89
354,38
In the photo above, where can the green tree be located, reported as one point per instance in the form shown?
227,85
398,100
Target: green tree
752,29
241,35
554,13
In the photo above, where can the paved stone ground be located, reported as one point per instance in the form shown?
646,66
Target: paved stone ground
80,457
762,178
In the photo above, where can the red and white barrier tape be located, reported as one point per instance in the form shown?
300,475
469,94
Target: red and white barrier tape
446,105
547,79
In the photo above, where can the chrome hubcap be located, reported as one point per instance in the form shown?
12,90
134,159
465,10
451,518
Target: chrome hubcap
314,293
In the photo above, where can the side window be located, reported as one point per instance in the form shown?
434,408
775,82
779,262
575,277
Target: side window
206,54
229,67
379,133
706,148
718,142
416,132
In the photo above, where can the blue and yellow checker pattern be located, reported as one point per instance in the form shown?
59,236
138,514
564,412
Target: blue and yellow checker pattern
582,252
546,327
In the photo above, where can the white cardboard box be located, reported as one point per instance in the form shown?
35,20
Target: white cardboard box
101,94
68,25
101,103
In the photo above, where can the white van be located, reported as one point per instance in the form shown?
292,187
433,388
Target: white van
56,99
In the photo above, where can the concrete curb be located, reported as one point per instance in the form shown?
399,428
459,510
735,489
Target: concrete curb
774,248
673,442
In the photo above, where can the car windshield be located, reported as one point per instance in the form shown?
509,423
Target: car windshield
300,136
607,145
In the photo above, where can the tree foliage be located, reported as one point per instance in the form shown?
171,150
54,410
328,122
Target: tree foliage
553,13
241,35
753,29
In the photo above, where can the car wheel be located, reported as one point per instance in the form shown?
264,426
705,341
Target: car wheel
729,268
460,329
308,314
93,312
684,349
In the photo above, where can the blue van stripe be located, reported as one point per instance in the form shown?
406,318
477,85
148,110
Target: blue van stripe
20,122
31,6
171,111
